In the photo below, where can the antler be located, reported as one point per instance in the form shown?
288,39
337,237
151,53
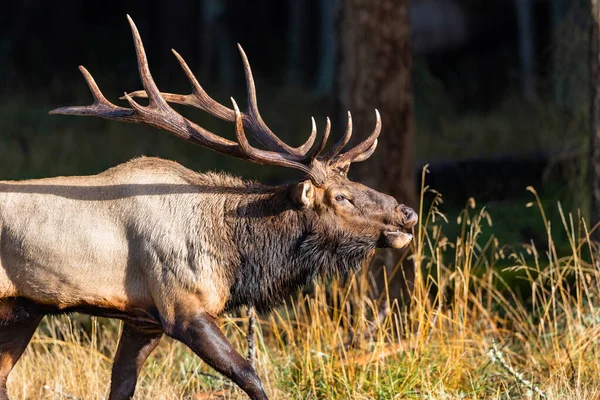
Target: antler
252,119
159,114
360,152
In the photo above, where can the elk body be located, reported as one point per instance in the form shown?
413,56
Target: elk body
167,250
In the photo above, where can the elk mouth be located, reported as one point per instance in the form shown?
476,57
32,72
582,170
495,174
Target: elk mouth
395,239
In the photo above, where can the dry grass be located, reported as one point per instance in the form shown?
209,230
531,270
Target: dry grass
469,333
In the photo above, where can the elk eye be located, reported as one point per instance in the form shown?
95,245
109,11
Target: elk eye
339,197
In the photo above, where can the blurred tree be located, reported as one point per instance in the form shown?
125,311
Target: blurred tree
571,44
296,35
326,68
374,71
524,11
557,15
595,114
215,43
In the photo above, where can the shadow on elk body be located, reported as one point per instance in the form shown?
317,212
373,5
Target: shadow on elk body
167,250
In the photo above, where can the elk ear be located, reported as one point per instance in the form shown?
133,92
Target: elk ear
304,194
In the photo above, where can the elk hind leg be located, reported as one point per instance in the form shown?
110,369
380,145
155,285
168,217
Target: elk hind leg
17,325
135,345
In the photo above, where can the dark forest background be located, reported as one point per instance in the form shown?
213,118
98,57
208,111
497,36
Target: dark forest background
500,89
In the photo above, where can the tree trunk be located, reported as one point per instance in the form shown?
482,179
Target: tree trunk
326,69
296,34
595,114
374,71
557,16
524,11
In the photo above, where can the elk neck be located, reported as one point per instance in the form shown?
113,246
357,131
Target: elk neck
282,248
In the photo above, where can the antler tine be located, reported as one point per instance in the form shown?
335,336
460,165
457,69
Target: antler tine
363,156
319,145
250,86
339,146
268,157
154,96
96,92
101,107
363,150
263,132
198,98
199,95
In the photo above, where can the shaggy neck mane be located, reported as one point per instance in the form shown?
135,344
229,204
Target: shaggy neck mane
282,248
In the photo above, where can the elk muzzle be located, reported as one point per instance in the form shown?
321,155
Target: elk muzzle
394,236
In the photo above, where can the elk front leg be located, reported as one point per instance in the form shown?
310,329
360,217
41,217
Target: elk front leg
202,334
14,337
135,345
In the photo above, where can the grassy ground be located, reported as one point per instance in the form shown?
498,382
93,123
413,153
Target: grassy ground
475,337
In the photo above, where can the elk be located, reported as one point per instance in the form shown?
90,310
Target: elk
167,250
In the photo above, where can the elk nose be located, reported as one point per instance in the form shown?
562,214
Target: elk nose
409,215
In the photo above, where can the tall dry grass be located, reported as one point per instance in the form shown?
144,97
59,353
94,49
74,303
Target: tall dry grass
469,333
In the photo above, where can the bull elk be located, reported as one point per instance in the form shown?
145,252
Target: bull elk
167,250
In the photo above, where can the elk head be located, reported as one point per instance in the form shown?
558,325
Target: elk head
327,193
354,210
